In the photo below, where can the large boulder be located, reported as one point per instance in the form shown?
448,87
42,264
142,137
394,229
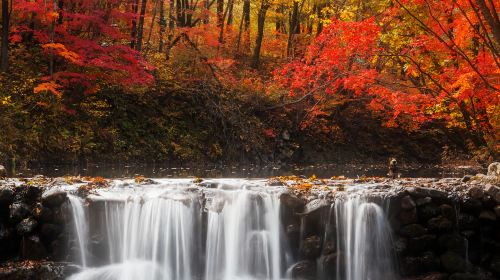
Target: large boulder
6,195
54,197
18,211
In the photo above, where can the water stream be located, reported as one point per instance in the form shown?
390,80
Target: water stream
229,229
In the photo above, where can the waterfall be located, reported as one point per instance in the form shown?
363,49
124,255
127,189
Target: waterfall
156,231
224,229
80,227
243,238
363,240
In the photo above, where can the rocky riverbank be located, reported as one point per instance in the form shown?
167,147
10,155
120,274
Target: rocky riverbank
442,228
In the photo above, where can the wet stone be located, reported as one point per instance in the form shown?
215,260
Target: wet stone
440,224
407,203
304,270
6,195
453,262
421,244
408,217
54,197
32,248
18,211
413,230
428,211
26,226
311,247
476,192
488,216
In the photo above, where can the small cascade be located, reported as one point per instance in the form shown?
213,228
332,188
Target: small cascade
156,231
243,237
363,240
225,229
80,227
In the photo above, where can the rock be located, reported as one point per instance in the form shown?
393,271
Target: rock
292,202
3,171
453,262
466,178
467,222
497,210
423,200
440,224
54,197
476,192
400,245
488,216
473,206
32,248
421,192
6,195
491,190
448,212
29,193
50,231
26,226
328,265
311,247
315,205
428,211
18,211
465,276
407,203
408,217
304,270
45,214
422,243
494,169
419,265
413,230
453,242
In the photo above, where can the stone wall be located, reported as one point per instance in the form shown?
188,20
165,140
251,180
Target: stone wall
33,226
442,229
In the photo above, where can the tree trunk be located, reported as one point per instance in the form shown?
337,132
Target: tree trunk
163,24
206,17
230,12
294,29
140,29
261,19
491,18
133,34
4,53
220,13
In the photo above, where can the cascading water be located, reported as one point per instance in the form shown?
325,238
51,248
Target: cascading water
155,231
363,240
226,229
80,227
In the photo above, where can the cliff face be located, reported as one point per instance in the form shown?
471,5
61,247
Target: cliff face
441,228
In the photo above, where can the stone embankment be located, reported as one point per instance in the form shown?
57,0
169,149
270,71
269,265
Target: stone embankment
442,228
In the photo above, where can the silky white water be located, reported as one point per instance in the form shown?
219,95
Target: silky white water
155,231
80,227
363,239
225,229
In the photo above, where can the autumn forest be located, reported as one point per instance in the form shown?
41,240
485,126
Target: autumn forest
249,80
